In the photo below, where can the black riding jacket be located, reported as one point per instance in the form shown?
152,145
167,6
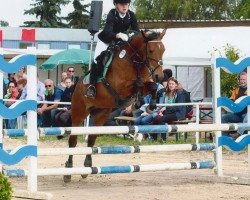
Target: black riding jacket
115,24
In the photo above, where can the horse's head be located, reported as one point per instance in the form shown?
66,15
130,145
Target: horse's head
150,49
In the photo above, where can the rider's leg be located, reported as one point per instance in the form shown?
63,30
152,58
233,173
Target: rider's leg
91,91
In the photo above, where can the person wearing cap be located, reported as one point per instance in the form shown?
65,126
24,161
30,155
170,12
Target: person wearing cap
119,20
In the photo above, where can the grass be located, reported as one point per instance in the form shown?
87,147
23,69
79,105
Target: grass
111,140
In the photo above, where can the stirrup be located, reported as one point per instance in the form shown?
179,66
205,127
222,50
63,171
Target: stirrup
90,92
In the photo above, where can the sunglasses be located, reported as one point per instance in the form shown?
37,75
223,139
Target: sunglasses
71,71
48,86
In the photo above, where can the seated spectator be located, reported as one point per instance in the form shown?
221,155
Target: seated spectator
12,94
71,74
111,121
172,113
62,85
48,111
240,116
40,91
11,77
21,83
63,113
21,74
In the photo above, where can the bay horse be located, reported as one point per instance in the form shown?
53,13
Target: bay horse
138,59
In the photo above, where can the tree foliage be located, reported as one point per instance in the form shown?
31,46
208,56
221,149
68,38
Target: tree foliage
191,9
79,18
5,188
3,23
46,11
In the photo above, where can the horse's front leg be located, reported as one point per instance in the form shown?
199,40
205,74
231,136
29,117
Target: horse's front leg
151,87
69,163
139,85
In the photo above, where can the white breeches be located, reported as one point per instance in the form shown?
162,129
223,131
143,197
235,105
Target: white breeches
100,47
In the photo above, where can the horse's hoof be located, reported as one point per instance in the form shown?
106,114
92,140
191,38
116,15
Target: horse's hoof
67,178
84,175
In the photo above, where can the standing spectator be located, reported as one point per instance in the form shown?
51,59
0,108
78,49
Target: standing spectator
240,116
12,94
71,74
48,111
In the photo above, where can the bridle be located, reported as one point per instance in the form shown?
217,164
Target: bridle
138,59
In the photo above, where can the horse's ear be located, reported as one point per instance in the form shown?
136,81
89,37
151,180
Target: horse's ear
143,34
163,33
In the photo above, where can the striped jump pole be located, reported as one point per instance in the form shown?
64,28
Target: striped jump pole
115,169
125,149
113,130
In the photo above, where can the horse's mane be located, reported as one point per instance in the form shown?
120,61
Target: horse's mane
148,35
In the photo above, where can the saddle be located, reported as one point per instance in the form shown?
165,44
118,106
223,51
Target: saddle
103,62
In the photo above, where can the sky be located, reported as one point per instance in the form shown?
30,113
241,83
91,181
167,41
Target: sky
12,10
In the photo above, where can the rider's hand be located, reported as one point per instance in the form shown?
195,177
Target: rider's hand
122,36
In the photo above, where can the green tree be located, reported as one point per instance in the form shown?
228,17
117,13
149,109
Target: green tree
46,11
229,81
3,23
191,9
242,9
79,18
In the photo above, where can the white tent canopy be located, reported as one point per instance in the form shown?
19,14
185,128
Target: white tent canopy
186,47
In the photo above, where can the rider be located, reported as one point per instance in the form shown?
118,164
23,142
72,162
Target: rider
119,20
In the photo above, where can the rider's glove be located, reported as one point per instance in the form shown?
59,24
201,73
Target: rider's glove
122,36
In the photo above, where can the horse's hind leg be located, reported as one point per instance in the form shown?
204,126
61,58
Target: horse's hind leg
99,116
78,114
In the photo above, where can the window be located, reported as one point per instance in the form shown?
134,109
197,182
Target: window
43,46
24,45
74,46
89,45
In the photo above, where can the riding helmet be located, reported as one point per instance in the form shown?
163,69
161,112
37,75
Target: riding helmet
121,1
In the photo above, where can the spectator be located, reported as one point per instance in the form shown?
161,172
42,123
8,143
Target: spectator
21,83
40,91
240,116
11,77
62,85
48,111
172,113
12,94
63,115
71,74
21,74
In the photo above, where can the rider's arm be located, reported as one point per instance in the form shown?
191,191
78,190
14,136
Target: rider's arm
108,35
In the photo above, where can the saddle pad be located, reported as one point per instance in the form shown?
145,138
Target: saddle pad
86,78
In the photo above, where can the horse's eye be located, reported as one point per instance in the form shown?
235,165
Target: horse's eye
150,51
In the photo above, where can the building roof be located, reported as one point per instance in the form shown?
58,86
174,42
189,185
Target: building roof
49,34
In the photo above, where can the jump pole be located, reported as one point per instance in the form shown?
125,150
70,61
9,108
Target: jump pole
32,123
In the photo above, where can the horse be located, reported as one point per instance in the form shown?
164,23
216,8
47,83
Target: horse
135,66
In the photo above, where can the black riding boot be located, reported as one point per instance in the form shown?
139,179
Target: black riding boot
91,91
